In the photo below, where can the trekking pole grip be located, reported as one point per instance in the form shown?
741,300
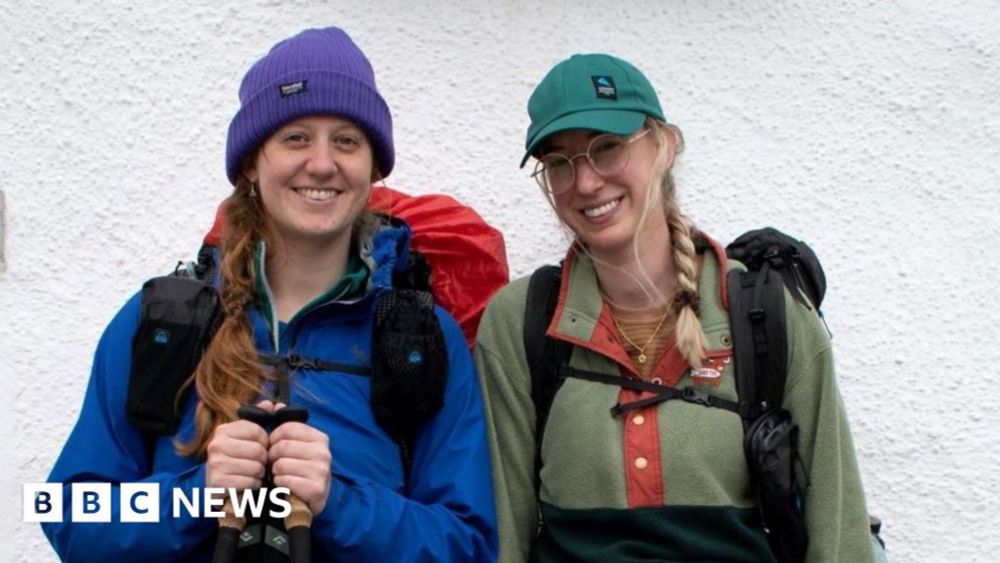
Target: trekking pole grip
230,528
230,525
298,523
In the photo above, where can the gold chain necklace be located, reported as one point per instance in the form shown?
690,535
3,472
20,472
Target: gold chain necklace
642,349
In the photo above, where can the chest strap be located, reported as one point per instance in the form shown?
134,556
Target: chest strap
284,366
294,362
663,393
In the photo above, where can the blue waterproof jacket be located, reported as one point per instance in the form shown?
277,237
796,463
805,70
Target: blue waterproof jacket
443,512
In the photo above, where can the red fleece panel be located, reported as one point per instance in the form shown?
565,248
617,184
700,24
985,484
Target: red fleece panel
644,487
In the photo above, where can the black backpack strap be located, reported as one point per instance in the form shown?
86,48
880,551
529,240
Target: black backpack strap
409,366
294,362
760,342
179,316
663,393
757,308
409,354
545,355
286,366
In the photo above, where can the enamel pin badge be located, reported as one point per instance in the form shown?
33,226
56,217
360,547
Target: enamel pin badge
711,372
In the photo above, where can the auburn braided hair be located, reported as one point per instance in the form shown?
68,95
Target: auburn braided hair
230,373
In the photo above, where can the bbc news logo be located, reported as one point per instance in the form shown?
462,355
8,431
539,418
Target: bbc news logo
140,502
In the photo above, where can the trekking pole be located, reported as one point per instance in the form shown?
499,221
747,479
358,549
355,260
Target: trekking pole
230,525
298,523
230,528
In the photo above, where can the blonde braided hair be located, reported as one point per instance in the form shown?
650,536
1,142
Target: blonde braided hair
662,195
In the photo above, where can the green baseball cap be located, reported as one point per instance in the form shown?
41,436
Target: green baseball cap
596,92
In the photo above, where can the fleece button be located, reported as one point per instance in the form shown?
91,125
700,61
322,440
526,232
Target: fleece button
641,463
638,420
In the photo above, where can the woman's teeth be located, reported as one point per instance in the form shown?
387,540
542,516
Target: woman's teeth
318,195
598,211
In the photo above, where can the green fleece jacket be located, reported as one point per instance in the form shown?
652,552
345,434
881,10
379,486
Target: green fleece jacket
668,482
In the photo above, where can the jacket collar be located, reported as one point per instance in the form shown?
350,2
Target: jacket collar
369,268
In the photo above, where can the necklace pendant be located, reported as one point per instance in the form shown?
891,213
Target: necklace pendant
641,358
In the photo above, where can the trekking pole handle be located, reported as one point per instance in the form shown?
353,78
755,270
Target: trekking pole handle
230,525
230,528
230,519
298,526
298,523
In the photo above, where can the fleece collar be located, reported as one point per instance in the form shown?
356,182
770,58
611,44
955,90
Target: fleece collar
582,318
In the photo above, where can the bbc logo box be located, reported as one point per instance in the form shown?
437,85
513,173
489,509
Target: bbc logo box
92,502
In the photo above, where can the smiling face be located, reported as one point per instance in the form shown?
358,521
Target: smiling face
314,175
604,211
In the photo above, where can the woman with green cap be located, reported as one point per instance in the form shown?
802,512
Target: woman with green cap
642,297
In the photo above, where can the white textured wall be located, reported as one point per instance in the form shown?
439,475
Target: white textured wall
870,129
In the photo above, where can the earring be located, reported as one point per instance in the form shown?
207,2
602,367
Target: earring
253,189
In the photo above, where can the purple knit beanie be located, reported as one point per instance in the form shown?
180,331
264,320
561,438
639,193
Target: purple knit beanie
319,71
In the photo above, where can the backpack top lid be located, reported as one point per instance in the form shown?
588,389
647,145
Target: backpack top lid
467,256
799,267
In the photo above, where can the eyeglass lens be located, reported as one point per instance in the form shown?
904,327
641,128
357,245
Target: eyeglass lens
607,155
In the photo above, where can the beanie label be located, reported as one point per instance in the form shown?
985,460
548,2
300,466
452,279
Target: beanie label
604,87
293,88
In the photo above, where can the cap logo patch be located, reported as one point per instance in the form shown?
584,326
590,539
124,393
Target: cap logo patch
293,88
604,86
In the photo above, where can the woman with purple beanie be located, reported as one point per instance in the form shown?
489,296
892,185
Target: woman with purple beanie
301,271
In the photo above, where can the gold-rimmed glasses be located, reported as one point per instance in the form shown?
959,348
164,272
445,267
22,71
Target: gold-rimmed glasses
607,154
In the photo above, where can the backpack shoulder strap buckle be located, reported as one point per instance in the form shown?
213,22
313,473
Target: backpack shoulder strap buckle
692,395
